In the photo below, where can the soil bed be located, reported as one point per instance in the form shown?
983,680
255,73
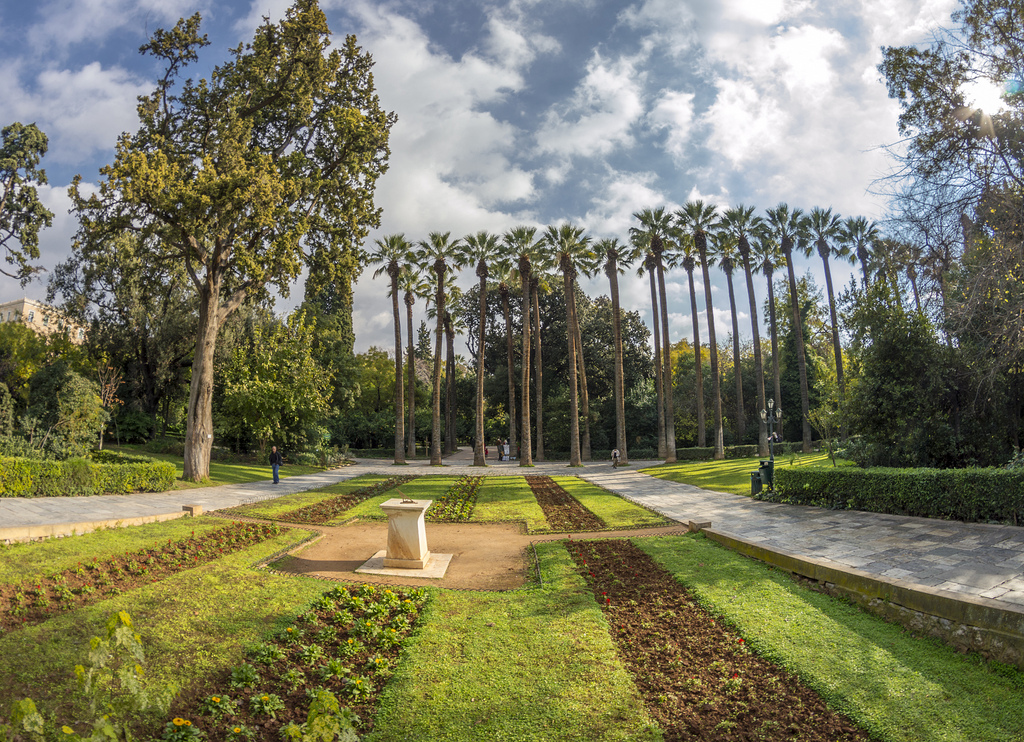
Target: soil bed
698,678
563,512
33,601
328,510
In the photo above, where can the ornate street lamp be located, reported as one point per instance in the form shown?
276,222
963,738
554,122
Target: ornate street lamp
770,417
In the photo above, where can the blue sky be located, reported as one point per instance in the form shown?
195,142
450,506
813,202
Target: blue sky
525,111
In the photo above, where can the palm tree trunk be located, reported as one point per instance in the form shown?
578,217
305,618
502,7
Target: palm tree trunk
762,428
667,377
701,433
775,349
511,371
716,381
411,427
659,391
399,382
435,417
449,379
741,422
538,375
574,409
584,393
525,452
478,437
620,389
801,362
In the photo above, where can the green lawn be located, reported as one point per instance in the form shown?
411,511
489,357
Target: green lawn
612,509
509,499
731,475
534,664
278,506
899,688
222,472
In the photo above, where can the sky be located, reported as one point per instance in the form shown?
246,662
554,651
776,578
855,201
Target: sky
525,112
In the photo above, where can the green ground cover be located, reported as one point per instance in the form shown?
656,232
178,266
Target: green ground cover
899,688
731,475
276,507
609,507
222,472
535,664
509,499
192,624
23,561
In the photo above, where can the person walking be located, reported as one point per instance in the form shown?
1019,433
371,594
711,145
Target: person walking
275,462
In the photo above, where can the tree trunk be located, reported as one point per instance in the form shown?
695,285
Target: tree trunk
775,351
525,446
762,428
667,377
701,434
511,372
658,388
836,347
450,444
199,423
801,362
435,419
620,390
716,381
478,443
538,375
741,422
584,392
574,410
399,383
411,427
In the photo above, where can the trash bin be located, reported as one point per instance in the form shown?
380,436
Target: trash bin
755,482
767,472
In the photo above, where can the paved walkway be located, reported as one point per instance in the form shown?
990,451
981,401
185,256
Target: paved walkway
980,560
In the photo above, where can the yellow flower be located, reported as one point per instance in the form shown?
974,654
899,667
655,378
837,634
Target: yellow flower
177,721
266,698
188,723
67,730
237,730
215,699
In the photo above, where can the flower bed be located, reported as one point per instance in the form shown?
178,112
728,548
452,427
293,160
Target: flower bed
327,510
346,644
699,679
33,601
562,511
456,505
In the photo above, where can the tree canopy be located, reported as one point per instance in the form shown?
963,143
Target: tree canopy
22,214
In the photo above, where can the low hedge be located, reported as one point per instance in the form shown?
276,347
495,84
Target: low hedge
21,477
972,495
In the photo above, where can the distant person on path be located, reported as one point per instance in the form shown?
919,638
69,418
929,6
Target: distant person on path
615,458
275,462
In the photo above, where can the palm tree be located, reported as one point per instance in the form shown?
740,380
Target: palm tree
688,259
767,259
440,254
614,257
724,251
482,247
523,246
570,247
505,278
699,218
641,246
390,251
452,325
588,266
861,235
740,220
538,283
657,225
826,229
789,227
413,285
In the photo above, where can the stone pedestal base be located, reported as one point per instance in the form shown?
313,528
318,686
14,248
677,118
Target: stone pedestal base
434,569
407,534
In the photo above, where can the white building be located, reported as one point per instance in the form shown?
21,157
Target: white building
41,318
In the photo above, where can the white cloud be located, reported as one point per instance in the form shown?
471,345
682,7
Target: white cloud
673,113
601,113
68,23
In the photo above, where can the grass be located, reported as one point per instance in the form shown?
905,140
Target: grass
612,509
534,664
222,472
192,624
731,475
899,688
24,561
278,506
509,498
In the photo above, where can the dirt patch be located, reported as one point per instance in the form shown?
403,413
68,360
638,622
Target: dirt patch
486,556
698,678
563,511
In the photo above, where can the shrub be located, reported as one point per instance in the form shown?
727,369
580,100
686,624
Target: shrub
973,495
23,477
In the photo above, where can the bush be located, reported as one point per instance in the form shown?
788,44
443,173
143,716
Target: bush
117,457
972,495
131,426
23,477
164,445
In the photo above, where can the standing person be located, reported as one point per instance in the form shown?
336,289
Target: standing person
275,462
615,458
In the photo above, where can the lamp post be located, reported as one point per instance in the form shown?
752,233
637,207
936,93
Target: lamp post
771,416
